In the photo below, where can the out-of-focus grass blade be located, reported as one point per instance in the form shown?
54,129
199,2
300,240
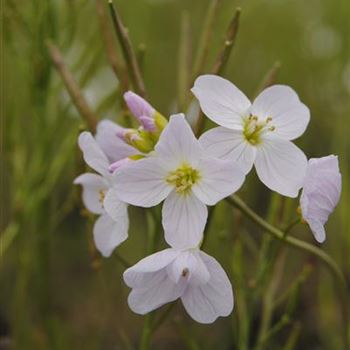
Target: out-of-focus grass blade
7,237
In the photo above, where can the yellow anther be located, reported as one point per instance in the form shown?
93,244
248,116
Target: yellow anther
101,196
253,128
183,178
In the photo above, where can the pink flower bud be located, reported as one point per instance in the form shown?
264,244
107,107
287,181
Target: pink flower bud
148,123
138,106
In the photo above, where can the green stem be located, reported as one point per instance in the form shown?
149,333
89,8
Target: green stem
235,201
122,261
277,233
146,333
275,329
291,225
205,38
221,61
154,227
127,50
184,61
268,301
298,281
162,317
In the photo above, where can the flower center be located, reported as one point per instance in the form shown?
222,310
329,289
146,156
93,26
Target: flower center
102,195
253,128
183,178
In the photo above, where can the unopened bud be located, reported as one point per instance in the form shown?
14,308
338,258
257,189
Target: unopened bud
138,106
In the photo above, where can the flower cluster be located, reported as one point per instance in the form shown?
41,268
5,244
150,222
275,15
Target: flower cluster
162,160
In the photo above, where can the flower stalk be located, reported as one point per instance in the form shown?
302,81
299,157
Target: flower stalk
128,51
237,202
72,87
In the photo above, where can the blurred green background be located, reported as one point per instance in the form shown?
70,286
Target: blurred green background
56,292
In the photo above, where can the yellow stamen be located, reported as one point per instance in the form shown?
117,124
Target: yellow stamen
183,178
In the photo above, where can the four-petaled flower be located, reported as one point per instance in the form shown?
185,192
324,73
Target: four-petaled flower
258,133
320,194
182,173
111,228
192,275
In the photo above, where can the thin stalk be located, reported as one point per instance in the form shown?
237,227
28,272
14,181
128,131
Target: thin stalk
269,78
141,53
230,40
277,233
128,50
157,323
242,313
268,300
291,225
72,87
293,337
186,337
184,61
122,261
268,250
111,52
206,35
221,60
154,227
285,320
235,201
146,333
298,281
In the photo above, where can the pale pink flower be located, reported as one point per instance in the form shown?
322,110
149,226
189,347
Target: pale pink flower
182,173
257,133
191,275
99,197
320,194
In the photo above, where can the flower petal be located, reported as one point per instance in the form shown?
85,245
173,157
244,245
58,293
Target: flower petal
189,266
93,187
321,193
221,101
205,303
114,207
109,234
219,179
280,165
93,154
142,183
137,275
290,116
184,219
177,143
162,290
229,144
317,230
114,148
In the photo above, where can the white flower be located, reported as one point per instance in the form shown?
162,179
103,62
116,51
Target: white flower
256,133
180,172
320,194
111,228
192,275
